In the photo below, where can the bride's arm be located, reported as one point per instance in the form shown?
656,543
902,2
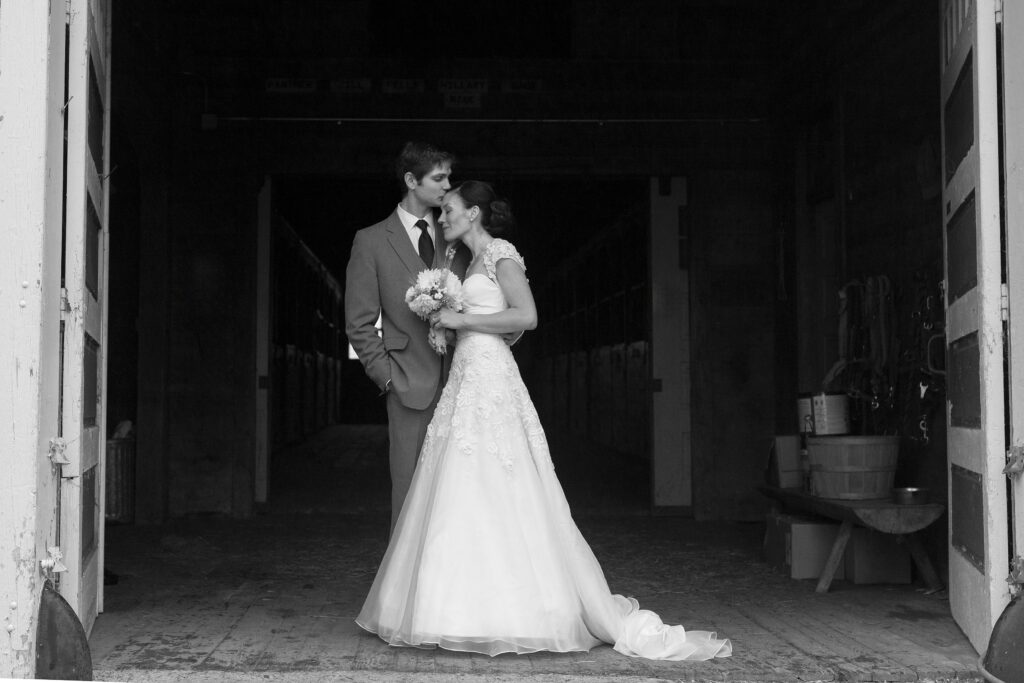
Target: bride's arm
520,315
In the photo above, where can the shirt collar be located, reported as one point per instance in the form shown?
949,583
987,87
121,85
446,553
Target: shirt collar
409,220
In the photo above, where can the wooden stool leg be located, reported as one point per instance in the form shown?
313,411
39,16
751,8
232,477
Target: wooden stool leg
924,564
835,557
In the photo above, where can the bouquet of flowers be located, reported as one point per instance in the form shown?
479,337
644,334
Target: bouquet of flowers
433,290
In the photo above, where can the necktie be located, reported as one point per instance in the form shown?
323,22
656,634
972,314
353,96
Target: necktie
426,245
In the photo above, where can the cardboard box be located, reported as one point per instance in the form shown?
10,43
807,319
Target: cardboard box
784,467
874,557
800,545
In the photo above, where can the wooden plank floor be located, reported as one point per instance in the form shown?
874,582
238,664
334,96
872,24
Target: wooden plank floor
274,598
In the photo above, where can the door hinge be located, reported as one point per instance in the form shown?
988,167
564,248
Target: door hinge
67,11
999,11
65,307
1016,577
1014,461
53,563
1004,302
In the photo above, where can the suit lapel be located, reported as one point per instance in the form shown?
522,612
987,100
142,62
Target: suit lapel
399,240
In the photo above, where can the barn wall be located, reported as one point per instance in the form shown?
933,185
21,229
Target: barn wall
734,301
211,381
593,373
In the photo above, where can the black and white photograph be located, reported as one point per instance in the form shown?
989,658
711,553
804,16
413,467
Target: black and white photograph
512,340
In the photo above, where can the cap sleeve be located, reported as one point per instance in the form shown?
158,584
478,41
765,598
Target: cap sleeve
497,250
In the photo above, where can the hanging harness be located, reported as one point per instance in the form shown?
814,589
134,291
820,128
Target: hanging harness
866,338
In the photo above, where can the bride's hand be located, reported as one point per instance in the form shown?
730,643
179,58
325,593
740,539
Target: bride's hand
446,318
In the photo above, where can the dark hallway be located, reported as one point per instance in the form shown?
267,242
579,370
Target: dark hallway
565,225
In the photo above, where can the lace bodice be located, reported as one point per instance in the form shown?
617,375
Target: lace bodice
497,250
485,399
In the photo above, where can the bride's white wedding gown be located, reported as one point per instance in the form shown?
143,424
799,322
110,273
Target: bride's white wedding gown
485,556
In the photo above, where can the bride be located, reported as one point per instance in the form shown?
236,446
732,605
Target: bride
485,556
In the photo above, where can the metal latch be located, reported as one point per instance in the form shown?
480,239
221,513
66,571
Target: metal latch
53,563
1014,461
1016,577
57,448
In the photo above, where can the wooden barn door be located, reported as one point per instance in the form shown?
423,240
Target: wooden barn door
978,553
1013,162
84,318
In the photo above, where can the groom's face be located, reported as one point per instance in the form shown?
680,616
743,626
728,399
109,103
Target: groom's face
431,187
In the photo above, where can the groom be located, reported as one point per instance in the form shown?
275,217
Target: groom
385,260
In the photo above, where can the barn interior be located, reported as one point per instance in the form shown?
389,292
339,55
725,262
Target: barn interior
697,183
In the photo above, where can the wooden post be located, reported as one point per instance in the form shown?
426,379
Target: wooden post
263,321
31,168
672,457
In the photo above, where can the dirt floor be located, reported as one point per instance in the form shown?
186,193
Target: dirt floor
273,598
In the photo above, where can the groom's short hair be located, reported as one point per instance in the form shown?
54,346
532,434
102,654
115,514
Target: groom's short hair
420,158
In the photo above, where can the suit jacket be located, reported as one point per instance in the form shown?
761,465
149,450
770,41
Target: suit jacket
382,267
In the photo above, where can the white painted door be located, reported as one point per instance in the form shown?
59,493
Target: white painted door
979,552
84,320
1013,163
32,69
672,459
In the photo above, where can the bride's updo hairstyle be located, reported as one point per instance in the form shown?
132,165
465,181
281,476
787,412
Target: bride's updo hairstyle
495,212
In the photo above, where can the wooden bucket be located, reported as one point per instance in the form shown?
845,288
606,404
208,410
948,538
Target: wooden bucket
852,467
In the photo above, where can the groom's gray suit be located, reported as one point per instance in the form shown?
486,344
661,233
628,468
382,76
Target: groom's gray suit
382,267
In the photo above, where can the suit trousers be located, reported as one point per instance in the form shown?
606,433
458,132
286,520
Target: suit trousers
407,428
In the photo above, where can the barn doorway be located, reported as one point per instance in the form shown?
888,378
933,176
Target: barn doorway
797,167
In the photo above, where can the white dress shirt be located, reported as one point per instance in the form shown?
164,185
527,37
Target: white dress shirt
409,221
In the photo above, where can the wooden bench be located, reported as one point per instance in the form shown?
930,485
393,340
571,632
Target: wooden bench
904,521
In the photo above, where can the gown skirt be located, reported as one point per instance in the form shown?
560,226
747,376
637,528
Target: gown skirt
485,556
